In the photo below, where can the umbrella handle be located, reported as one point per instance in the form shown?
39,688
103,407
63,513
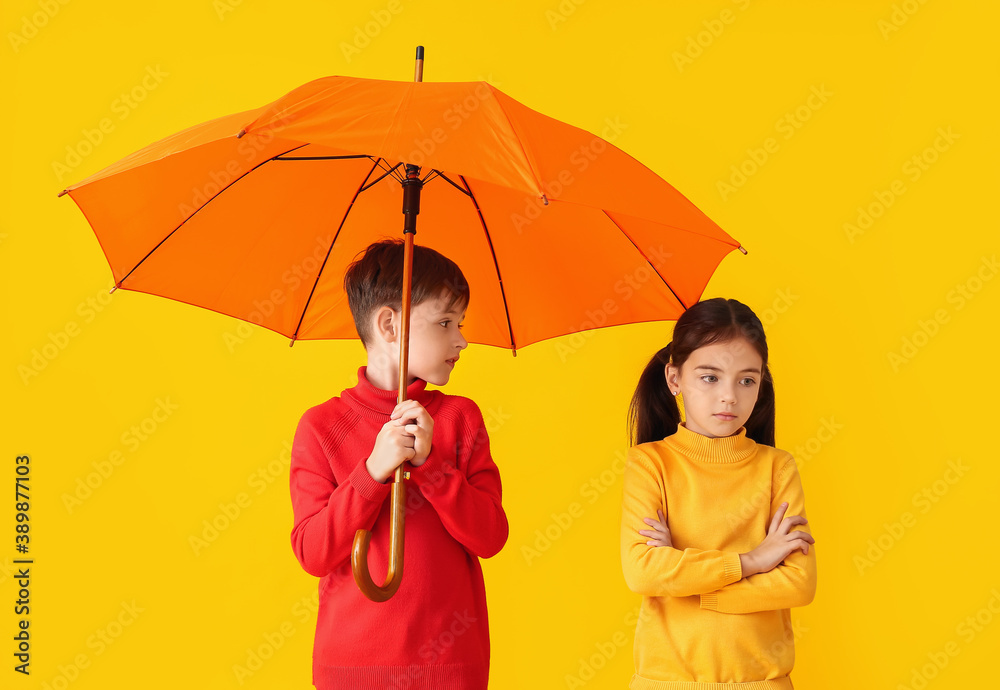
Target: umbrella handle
359,554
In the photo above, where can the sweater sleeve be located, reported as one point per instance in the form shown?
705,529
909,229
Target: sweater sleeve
464,487
327,513
662,570
792,582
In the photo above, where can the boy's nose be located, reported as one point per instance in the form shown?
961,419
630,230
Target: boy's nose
462,342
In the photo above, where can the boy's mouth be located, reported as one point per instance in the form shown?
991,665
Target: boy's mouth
452,361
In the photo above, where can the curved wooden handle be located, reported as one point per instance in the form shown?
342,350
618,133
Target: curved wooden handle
359,554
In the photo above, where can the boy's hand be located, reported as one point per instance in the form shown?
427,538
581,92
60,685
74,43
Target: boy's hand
778,543
660,534
406,436
419,425
393,447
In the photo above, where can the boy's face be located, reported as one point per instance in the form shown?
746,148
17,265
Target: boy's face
435,339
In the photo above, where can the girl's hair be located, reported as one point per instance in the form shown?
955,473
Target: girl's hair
653,414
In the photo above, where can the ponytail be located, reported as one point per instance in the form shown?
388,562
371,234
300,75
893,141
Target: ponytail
653,413
760,425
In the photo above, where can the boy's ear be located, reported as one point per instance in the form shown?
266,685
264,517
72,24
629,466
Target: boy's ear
386,324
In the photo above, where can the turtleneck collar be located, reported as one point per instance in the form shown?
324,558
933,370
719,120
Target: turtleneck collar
726,449
369,400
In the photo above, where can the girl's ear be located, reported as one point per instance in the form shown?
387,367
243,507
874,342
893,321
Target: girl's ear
386,326
671,375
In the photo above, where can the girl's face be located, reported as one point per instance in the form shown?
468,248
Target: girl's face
719,384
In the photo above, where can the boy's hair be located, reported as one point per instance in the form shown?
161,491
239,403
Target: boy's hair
375,280
653,413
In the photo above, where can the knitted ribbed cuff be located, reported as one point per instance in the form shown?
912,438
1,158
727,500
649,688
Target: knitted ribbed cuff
732,567
732,571
366,485
431,473
710,601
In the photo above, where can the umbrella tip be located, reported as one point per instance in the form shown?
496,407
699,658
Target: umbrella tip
240,135
742,250
63,192
112,290
420,52
291,342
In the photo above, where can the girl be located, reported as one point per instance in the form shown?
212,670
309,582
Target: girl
721,566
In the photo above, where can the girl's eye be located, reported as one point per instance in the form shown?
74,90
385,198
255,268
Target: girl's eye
748,381
708,376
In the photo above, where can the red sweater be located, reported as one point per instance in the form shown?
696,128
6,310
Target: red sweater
434,632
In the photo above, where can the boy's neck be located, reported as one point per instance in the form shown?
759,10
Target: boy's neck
386,374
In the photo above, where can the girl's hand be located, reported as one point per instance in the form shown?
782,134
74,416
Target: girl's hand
778,543
660,534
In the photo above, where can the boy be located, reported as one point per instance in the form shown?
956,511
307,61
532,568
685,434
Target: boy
434,632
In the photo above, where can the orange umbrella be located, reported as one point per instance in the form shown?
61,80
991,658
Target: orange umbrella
257,215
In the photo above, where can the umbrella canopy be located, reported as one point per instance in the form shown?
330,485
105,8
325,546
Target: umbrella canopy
257,214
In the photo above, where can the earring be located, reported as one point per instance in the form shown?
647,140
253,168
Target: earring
675,392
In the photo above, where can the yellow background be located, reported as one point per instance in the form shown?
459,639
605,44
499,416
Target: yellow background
873,436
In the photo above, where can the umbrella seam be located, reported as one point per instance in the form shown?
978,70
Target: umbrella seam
643,255
524,153
214,197
734,244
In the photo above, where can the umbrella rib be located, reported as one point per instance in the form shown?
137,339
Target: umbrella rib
341,158
380,178
340,227
380,162
318,158
496,265
445,178
643,255
214,196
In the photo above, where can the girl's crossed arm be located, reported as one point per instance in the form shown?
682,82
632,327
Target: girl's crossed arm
661,570
790,583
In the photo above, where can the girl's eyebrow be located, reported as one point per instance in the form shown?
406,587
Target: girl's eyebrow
711,368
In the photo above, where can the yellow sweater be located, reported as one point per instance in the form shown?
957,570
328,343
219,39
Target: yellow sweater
702,624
